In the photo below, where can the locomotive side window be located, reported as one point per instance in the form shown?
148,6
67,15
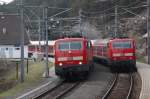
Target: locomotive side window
124,44
76,45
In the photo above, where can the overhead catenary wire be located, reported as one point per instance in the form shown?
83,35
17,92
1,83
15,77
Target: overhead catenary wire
60,13
113,14
101,12
41,6
133,4
131,12
98,17
104,12
33,13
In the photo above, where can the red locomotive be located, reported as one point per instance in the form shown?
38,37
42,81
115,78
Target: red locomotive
119,53
73,56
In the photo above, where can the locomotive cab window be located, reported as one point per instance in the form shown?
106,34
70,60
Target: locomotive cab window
63,46
74,45
125,44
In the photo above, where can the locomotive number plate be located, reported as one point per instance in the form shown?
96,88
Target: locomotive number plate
70,58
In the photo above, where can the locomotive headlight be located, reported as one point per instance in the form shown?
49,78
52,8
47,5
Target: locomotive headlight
128,54
116,54
80,63
60,64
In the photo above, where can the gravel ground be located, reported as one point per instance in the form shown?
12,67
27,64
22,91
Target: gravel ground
95,85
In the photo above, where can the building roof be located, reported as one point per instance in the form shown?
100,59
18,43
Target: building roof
10,30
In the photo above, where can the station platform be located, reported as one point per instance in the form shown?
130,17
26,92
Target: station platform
144,71
44,85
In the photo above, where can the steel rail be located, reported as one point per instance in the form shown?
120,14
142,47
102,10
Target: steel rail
131,87
111,87
59,96
43,94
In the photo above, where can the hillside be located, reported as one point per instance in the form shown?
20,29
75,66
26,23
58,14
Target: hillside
97,17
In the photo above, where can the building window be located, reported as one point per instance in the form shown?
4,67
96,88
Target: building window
4,30
17,48
2,17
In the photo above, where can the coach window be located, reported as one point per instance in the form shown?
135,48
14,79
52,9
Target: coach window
88,45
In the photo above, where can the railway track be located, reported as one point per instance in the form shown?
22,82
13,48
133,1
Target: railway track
59,91
121,87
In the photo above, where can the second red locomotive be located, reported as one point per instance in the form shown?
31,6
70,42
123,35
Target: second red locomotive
119,53
73,56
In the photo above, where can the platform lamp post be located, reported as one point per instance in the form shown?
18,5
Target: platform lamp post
148,31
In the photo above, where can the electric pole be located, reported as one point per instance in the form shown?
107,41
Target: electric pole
22,42
80,22
39,34
148,32
116,21
46,38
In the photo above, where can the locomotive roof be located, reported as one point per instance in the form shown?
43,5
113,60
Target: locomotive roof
120,39
105,41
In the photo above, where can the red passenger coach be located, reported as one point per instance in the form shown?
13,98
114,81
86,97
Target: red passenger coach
36,49
73,56
119,53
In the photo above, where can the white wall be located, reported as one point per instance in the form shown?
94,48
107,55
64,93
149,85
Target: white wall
12,51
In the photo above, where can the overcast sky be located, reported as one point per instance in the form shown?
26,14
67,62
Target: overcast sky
7,1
